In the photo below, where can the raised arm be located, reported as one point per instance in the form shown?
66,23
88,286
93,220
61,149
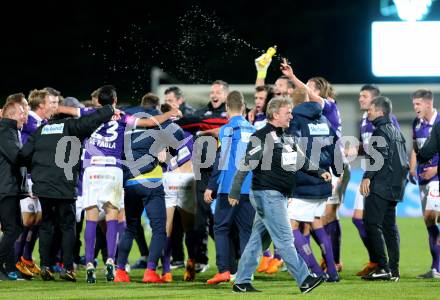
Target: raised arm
261,70
211,132
287,70
153,121
85,126
67,110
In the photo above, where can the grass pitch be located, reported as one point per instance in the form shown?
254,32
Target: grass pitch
415,259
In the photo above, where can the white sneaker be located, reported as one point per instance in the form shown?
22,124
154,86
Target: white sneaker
201,268
127,268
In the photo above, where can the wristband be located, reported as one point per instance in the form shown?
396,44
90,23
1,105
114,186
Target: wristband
261,74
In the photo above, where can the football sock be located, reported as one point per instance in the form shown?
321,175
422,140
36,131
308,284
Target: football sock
434,235
326,248
111,236
20,242
306,253
359,223
276,254
90,239
333,230
30,242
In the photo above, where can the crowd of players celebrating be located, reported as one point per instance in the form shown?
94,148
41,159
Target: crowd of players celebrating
247,177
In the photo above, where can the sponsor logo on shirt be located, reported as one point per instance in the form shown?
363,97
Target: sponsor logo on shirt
102,177
255,150
179,188
53,129
103,160
183,153
319,129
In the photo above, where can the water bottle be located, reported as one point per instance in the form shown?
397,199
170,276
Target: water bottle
268,56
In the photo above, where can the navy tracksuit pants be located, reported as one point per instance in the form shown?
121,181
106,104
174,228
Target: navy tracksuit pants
242,216
138,197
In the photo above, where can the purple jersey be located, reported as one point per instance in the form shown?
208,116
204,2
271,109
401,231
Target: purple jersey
33,122
367,129
331,112
184,153
104,147
421,132
260,120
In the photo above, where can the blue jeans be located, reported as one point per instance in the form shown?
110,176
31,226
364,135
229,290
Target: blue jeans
271,222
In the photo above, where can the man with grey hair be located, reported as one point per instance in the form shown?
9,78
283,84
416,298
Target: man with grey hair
382,186
272,156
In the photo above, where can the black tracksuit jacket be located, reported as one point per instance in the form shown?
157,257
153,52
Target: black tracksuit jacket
40,153
12,178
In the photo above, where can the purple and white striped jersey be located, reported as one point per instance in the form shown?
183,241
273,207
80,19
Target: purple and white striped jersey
33,122
331,112
184,153
421,132
260,120
104,147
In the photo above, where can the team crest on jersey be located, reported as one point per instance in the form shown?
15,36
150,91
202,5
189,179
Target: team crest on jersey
208,113
319,129
53,129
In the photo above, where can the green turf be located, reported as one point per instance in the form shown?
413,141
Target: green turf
415,259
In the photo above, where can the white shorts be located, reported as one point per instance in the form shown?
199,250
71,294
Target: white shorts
359,200
305,210
334,198
179,190
103,185
429,196
30,205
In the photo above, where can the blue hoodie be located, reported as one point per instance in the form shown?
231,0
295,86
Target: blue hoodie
308,122
233,137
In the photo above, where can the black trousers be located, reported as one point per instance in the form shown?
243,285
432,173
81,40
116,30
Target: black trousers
204,221
58,213
78,243
10,220
177,252
382,232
